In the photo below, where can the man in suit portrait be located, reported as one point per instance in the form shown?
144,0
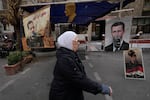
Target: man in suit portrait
117,32
34,39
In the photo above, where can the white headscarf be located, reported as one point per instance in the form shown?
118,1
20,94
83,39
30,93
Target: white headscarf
65,40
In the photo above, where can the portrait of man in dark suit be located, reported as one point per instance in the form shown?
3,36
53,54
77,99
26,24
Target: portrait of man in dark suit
117,32
35,39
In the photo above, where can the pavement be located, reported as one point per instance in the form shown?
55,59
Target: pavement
92,46
4,77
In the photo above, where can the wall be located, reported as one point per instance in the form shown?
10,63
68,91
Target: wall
1,5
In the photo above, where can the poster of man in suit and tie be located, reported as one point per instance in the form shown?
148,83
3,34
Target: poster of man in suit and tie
37,29
117,34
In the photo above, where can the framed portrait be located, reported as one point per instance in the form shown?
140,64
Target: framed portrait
133,64
37,29
117,33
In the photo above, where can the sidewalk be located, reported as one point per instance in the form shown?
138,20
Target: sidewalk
95,46
92,46
3,61
4,78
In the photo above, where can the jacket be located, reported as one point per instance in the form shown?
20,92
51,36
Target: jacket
70,78
124,46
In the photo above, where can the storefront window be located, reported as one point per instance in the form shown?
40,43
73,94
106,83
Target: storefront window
147,3
141,24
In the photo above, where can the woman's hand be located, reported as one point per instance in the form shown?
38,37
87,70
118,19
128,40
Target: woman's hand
106,89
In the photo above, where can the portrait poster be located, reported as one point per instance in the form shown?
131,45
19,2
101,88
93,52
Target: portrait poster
114,39
37,29
133,64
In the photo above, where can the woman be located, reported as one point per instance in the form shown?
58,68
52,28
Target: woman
69,75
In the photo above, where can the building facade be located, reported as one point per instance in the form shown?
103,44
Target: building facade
140,7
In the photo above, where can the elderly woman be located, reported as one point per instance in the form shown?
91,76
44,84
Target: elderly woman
70,78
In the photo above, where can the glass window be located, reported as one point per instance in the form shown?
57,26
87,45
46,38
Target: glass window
147,3
141,21
134,21
147,21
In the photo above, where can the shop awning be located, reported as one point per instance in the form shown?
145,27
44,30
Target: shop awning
85,11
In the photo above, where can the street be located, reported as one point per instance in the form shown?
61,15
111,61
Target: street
99,26
33,82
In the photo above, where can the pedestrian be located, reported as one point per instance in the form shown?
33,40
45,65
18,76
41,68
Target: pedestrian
117,32
70,79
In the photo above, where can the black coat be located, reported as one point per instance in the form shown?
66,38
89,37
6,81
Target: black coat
70,78
124,46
